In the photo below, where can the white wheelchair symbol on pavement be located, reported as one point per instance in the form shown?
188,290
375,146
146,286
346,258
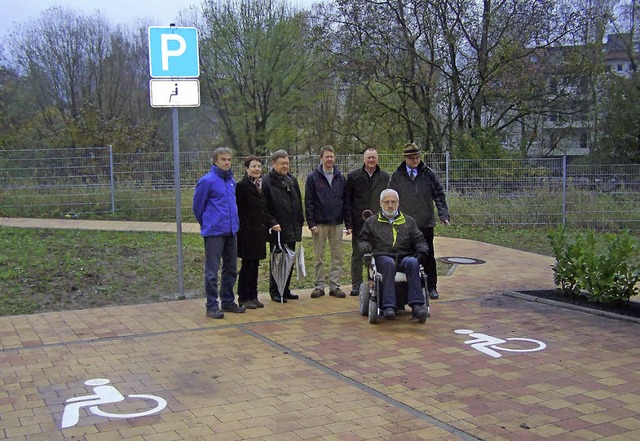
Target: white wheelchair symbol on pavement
490,345
104,394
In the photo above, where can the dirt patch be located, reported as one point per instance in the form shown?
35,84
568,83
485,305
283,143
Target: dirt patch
631,309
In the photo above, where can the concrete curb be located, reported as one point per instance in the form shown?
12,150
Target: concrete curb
529,298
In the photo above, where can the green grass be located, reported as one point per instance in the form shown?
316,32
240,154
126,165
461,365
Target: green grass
531,239
50,270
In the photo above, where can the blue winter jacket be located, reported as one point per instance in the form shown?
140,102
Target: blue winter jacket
214,203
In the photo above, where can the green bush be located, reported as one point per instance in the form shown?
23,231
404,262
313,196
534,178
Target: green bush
604,268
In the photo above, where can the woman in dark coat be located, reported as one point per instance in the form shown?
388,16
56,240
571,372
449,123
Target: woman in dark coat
252,235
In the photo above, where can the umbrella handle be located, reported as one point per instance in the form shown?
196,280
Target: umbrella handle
279,246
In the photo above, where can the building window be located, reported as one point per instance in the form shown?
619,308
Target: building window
584,142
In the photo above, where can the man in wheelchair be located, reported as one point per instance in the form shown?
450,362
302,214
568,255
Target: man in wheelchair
397,245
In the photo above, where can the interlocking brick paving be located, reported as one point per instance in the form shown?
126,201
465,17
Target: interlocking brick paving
335,375
218,383
572,385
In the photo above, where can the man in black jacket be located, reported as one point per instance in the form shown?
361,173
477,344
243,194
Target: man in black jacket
397,244
419,189
284,214
364,186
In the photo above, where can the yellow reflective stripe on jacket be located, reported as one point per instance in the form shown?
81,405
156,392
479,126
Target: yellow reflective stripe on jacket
399,220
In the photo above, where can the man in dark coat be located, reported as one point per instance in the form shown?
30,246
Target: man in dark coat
252,235
364,186
284,213
396,244
419,189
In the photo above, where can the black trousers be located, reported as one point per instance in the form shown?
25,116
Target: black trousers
248,280
430,264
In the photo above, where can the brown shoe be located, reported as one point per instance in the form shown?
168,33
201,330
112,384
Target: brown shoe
317,292
337,292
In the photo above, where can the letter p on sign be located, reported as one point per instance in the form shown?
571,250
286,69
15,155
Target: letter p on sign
166,52
173,52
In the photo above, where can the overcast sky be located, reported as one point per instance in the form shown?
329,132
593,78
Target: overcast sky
125,12
116,11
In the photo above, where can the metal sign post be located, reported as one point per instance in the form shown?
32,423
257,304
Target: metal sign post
173,56
176,180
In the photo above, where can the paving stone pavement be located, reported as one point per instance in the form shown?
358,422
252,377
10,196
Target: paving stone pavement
315,369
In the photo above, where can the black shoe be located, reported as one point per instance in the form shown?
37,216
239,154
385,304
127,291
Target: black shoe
317,292
389,314
354,292
337,292
420,313
433,294
291,296
215,314
278,299
249,304
258,303
232,307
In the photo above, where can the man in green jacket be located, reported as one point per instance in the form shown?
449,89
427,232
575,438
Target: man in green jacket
396,244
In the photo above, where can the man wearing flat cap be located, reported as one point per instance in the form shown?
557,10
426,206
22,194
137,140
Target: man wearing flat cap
419,189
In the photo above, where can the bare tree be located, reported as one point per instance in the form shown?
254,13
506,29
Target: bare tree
63,55
256,65
88,82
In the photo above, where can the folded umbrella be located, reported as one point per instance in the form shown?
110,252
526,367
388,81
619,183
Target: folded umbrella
282,259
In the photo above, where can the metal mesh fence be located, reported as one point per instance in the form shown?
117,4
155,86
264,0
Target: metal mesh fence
96,183
51,182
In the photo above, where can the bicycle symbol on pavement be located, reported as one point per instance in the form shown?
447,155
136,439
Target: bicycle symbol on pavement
490,345
103,394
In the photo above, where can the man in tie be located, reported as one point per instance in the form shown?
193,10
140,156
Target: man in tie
419,188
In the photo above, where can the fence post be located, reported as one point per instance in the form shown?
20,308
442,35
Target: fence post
111,181
564,190
446,168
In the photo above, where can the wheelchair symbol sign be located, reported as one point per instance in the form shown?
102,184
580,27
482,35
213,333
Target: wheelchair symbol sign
103,394
491,345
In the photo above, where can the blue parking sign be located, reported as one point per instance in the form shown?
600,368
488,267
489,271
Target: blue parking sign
173,52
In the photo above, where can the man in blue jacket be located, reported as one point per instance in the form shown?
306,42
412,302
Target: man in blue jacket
326,209
214,206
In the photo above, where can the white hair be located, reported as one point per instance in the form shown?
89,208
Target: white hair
389,191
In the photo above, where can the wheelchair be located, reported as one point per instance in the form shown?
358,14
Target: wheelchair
370,296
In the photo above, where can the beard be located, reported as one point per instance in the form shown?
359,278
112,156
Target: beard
390,213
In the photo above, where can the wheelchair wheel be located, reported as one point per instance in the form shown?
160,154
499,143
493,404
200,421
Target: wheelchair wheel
363,298
373,301
426,295
373,312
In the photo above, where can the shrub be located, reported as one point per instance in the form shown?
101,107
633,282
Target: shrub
603,268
